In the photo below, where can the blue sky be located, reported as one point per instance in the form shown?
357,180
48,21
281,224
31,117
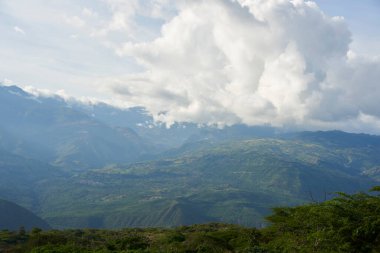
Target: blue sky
363,19
221,62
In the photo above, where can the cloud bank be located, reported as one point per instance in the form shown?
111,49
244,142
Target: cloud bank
214,62
276,62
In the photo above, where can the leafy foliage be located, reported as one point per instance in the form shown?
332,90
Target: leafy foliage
197,238
348,223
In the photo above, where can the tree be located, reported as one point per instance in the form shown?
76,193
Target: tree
347,223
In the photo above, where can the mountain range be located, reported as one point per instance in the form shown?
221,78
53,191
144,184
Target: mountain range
93,165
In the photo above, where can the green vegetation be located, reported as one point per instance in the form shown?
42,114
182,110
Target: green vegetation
347,223
197,238
235,182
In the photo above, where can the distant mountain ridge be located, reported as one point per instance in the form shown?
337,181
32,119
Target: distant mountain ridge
50,130
339,138
76,135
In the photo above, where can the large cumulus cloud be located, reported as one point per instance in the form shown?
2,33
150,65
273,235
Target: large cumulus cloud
277,62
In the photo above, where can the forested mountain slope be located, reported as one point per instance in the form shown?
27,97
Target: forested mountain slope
235,182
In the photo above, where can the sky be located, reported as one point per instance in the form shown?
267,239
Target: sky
285,63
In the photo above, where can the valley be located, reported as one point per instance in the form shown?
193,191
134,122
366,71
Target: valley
77,166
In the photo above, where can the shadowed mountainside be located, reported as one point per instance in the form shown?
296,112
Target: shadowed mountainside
13,216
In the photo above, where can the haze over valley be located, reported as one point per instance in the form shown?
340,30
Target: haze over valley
182,116
92,165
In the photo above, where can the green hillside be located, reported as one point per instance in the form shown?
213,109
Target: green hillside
20,179
235,182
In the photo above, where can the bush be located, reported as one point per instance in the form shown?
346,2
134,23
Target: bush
347,223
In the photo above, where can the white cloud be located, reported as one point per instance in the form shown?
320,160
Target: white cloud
62,94
87,12
6,82
134,20
19,30
75,21
277,62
